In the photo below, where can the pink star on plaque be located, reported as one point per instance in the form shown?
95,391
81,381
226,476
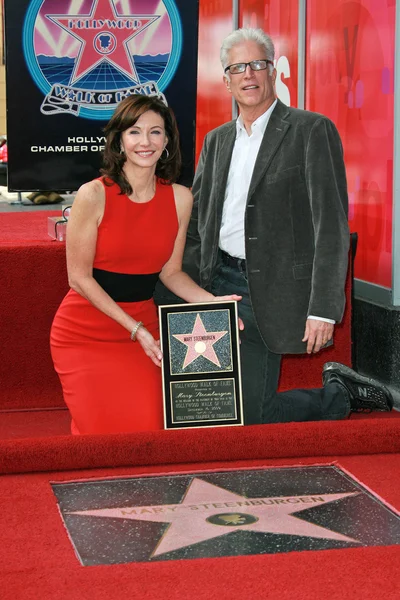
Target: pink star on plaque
104,36
200,343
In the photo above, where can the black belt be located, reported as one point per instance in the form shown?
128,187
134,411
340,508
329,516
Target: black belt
123,287
233,261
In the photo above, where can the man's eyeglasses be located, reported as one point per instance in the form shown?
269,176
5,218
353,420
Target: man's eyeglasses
255,65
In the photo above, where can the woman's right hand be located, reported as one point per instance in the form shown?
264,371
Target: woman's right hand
150,346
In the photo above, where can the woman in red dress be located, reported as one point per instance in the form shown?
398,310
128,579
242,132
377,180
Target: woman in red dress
125,230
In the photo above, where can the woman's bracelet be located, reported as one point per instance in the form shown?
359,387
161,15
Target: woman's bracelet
135,330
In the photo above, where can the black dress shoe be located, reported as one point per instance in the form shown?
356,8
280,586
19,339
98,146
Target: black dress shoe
366,394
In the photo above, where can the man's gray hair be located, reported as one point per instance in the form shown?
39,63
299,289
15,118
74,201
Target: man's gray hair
243,35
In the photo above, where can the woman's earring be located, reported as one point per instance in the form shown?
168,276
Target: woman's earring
122,150
167,153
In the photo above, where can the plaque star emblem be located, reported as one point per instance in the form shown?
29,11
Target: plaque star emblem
104,36
200,343
209,511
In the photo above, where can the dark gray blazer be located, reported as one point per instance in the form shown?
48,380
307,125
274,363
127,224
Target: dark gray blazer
296,231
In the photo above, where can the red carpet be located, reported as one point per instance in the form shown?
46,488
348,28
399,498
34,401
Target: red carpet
33,284
56,422
283,440
34,423
27,227
36,557
34,281
38,560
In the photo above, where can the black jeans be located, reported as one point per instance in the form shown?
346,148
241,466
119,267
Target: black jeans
261,368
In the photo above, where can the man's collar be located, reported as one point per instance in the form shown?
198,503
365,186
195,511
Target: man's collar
261,121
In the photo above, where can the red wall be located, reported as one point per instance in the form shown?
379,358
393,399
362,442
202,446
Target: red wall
279,18
214,103
350,74
349,78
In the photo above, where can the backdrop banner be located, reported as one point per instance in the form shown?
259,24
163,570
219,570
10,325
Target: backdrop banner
68,64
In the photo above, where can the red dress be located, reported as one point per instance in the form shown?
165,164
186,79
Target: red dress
109,384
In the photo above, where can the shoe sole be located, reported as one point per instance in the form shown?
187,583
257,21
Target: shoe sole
333,367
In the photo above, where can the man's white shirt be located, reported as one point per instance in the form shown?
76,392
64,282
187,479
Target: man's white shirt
241,169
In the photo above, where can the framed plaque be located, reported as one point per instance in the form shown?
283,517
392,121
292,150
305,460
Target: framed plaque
201,365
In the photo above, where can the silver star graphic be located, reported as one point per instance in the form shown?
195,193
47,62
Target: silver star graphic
208,511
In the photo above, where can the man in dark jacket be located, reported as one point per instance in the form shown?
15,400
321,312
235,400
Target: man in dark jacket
269,222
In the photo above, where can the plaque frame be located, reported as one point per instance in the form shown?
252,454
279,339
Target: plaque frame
207,391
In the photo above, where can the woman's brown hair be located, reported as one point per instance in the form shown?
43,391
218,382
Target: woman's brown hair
126,114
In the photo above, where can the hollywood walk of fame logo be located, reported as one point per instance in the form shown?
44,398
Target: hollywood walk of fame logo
195,348
207,514
91,54
105,43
